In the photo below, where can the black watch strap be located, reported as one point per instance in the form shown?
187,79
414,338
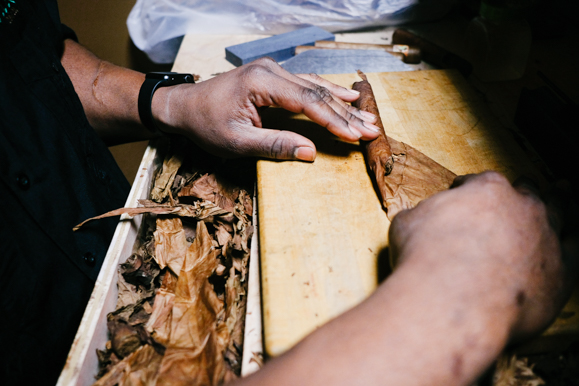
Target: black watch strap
152,82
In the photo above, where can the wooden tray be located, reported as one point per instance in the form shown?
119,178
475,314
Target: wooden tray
82,363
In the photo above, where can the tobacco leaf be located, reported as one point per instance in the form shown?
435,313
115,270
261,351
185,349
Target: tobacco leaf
235,302
212,188
170,243
403,175
194,355
164,180
139,271
159,324
414,177
138,369
513,371
200,210
128,293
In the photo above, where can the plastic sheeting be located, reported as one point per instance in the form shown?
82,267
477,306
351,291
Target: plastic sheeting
156,26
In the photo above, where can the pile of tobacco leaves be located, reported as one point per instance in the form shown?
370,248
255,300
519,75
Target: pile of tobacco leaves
554,368
182,293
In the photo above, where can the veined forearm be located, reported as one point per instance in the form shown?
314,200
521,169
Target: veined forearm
414,330
108,94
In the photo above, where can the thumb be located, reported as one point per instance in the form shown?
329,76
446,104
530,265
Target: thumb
276,144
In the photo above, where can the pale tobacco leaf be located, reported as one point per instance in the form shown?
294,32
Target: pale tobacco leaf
170,243
164,180
138,369
195,293
199,210
159,324
194,355
131,212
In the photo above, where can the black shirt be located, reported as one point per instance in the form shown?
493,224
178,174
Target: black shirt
54,173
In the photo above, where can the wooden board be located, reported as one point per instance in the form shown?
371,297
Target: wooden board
323,234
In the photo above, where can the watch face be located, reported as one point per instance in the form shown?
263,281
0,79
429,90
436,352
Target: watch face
171,77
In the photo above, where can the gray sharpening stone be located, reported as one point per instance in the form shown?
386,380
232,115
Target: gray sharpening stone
344,62
278,47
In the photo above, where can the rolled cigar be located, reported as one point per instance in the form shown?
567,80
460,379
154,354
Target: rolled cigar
378,151
410,54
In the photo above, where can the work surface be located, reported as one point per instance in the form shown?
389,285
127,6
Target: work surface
323,233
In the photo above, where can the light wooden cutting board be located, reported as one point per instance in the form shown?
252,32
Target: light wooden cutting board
323,233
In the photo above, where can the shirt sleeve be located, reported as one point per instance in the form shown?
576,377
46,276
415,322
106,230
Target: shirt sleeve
68,33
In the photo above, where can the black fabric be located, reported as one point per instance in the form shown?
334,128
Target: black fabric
54,173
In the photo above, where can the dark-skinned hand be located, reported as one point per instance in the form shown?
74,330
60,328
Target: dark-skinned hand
222,114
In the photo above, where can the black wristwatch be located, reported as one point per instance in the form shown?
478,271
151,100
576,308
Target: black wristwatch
152,82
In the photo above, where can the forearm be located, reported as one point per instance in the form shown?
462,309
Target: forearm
426,325
108,94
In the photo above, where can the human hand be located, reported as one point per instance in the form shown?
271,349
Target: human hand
222,114
501,242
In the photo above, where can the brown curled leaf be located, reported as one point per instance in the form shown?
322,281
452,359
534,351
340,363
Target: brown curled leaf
403,175
199,210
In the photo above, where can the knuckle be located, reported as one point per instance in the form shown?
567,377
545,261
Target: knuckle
255,71
493,177
265,61
315,77
324,93
279,148
311,96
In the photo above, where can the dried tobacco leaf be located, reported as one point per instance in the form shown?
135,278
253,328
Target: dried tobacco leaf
212,188
193,354
138,369
164,180
513,371
199,210
170,244
159,324
236,301
404,176
139,271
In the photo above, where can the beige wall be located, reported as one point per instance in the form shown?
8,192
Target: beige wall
101,26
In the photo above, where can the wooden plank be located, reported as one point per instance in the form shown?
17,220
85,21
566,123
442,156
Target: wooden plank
82,363
323,234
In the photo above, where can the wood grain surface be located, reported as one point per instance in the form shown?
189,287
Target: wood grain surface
323,237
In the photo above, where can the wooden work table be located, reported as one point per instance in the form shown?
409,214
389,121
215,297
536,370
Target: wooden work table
322,232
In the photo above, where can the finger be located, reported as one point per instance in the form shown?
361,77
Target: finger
273,144
461,180
339,93
343,93
362,121
316,104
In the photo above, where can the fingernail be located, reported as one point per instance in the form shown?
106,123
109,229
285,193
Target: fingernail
352,91
355,131
372,127
305,153
368,115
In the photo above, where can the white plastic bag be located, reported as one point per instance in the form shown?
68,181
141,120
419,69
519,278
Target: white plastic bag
156,26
